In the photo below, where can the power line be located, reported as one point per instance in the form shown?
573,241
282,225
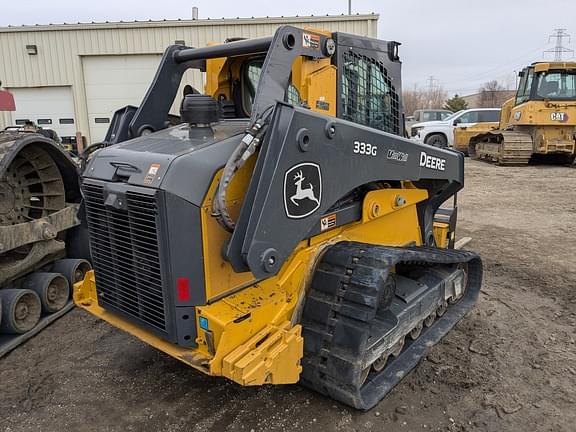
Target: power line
507,79
559,34
502,66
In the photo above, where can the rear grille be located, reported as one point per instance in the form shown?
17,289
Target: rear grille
125,252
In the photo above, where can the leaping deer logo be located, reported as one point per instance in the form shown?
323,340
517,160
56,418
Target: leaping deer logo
303,193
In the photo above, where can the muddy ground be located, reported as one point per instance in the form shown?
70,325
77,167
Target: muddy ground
510,365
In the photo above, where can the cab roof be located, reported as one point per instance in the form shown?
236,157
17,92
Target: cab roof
544,66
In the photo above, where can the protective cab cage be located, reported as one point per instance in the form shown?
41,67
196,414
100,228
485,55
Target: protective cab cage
368,86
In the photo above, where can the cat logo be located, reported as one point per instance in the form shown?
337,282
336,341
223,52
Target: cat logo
561,117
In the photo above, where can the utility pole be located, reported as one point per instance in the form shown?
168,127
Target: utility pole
559,34
349,7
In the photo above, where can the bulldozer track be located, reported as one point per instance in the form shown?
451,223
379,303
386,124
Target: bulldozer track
34,215
503,147
8,341
347,306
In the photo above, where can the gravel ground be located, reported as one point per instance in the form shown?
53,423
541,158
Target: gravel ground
510,365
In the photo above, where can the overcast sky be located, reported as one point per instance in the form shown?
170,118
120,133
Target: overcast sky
461,43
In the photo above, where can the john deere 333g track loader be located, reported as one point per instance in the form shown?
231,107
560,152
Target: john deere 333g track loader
281,230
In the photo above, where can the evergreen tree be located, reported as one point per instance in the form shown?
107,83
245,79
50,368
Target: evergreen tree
455,104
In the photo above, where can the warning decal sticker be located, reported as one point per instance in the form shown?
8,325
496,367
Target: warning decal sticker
152,171
310,41
328,222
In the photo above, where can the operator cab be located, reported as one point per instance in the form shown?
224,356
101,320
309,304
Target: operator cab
547,81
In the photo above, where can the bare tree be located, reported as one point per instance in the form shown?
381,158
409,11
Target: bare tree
413,100
493,94
436,97
417,98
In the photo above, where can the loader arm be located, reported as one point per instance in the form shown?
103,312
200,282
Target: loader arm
266,233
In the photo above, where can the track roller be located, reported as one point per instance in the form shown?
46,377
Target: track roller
415,332
442,309
429,320
380,364
53,289
397,348
21,310
73,269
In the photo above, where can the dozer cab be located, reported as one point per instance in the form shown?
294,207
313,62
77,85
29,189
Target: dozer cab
539,123
281,229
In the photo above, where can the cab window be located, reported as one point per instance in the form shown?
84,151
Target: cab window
525,87
252,71
556,85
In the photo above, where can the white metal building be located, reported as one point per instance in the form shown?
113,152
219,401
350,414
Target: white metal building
72,77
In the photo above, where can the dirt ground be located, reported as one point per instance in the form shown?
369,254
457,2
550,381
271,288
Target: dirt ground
510,365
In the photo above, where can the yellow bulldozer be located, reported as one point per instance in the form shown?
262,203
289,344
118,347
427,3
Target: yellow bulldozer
539,123
281,229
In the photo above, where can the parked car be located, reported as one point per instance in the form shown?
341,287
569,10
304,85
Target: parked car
441,133
425,115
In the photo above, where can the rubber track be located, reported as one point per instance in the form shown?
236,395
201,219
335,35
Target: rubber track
342,303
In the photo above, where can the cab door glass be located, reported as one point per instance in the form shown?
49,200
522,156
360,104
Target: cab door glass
525,87
252,72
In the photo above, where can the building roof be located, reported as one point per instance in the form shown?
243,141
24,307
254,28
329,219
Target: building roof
489,91
187,22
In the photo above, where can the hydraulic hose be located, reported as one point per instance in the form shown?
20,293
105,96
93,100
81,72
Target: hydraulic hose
247,147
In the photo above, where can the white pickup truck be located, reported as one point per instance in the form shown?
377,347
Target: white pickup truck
441,133
426,115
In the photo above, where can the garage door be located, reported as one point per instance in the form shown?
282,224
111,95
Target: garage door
48,107
113,82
